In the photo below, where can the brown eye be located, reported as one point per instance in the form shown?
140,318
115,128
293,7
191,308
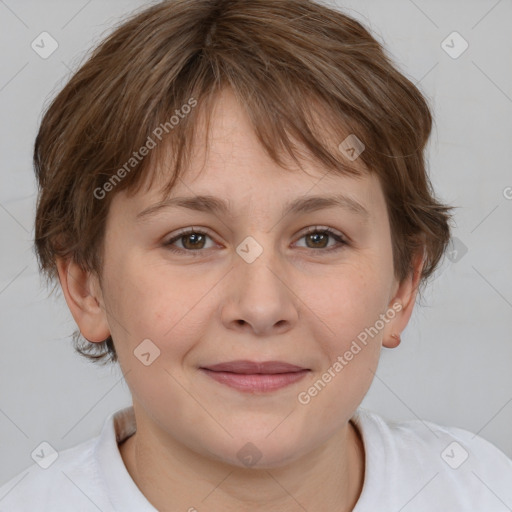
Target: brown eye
192,241
318,238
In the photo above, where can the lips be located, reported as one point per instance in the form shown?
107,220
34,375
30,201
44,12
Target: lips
253,367
255,377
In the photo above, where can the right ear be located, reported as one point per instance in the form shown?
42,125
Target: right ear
84,298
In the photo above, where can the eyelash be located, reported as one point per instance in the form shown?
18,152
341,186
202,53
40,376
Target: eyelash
342,242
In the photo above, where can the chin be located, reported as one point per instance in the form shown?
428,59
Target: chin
254,450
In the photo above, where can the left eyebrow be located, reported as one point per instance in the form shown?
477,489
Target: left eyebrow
301,205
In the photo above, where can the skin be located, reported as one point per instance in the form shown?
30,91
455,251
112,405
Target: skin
294,303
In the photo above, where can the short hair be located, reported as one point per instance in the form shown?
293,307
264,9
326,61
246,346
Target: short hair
300,69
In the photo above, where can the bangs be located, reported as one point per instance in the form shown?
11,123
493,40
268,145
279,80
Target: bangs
290,126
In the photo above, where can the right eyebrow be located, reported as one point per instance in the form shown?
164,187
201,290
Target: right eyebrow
208,203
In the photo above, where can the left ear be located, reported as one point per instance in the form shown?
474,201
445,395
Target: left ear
405,295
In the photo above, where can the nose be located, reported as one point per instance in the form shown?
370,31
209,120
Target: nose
258,297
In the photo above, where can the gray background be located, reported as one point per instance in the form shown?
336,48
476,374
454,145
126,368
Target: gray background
454,364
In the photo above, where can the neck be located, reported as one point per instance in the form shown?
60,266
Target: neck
172,477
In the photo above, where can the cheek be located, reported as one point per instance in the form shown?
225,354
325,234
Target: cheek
151,327
149,300
348,299
347,306
344,333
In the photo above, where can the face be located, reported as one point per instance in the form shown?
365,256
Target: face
249,283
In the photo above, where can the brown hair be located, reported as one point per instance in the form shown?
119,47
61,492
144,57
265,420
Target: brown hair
298,67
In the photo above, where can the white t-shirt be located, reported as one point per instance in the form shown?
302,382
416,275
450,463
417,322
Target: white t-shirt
410,466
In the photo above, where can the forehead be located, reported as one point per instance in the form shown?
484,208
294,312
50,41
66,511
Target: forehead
229,163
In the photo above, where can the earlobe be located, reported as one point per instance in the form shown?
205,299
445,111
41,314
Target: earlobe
405,295
396,340
83,296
